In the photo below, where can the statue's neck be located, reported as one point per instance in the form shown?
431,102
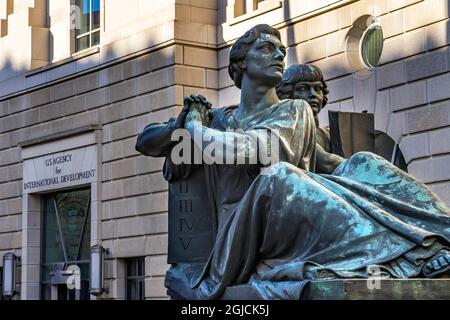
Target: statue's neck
255,98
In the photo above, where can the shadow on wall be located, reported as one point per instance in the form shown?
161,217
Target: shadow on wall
123,90
407,57
9,68
51,37
349,91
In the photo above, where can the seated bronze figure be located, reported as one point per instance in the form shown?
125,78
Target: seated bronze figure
281,226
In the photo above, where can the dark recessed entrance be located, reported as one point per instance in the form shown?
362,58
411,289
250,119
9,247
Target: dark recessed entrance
66,238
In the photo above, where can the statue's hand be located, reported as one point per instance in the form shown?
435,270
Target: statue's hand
199,110
181,119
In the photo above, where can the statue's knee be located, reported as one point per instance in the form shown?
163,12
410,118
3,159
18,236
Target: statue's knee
363,156
280,169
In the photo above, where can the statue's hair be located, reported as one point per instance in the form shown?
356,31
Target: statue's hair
297,73
241,47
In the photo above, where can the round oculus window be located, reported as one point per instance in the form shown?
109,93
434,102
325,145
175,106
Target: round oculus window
371,46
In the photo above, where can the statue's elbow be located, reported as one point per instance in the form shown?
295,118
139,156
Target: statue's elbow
149,147
140,146
154,141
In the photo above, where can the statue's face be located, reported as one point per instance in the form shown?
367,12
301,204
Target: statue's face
312,92
264,60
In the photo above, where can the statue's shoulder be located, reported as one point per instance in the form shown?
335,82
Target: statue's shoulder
224,110
302,106
220,116
291,105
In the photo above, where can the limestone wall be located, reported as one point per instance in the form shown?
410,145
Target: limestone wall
138,75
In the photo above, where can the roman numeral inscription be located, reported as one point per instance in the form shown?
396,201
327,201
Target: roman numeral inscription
189,223
183,187
185,242
186,206
186,226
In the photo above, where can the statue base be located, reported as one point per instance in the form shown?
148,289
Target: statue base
360,289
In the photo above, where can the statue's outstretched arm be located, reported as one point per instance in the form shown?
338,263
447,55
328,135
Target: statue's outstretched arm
259,147
155,140
240,149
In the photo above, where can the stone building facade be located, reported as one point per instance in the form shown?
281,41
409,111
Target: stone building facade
69,118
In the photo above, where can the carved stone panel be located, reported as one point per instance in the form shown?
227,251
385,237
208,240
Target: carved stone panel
191,225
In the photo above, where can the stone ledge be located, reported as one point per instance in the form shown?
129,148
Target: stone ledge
59,135
358,289
74,57
389,289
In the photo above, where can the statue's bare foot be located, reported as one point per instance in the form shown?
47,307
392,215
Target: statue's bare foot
438,265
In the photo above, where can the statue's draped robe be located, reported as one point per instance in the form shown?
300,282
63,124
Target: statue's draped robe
281,229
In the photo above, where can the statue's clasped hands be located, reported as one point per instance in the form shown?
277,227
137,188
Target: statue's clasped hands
196,110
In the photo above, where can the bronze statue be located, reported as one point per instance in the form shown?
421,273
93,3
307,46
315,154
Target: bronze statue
283,225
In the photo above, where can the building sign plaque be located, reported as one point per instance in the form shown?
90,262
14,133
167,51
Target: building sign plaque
60,170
